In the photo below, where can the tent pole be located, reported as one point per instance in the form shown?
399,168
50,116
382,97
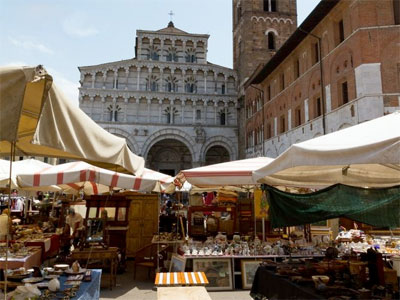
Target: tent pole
12,158
263,229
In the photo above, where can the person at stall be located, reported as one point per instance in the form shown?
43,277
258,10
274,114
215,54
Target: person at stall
75,222
5,221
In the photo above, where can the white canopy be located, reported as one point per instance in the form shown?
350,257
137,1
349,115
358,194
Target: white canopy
18,167
35,114
366,155
238,173
80,175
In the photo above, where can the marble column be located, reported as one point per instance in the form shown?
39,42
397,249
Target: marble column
148,110
104,80
138,79
171,112
93,79
126,100
183,111
127,78
159,110
102,108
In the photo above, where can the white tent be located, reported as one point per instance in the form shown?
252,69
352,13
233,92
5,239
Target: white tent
238,173
38,118
366,155
80,175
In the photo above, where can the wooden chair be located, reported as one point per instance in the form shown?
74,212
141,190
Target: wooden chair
148,255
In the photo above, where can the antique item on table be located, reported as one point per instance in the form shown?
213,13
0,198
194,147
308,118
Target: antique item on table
217,271
249,268
32,279
61,267
54,285
88,276
177,263
75,266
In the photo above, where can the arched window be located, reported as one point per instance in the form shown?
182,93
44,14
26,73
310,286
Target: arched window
172,55
271,41
190,85
223,89
190,55
171,84
151,83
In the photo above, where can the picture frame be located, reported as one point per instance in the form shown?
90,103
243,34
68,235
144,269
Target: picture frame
218,272
249,268
178,263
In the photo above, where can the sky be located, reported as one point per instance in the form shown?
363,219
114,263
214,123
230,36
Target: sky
64,34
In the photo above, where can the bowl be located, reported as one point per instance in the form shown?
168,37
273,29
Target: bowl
61,267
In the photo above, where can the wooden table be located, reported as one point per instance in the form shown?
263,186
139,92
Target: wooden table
182,293
107,257
33,259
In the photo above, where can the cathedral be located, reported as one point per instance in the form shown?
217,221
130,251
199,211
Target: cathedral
173,107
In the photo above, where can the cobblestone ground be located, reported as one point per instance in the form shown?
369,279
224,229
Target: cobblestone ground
143,289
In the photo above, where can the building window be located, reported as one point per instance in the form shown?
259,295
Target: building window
282,81
396,10
340,31
297,69
314,53
269,131
345,93
297,117
172,55
271,41
318,107
223,89
222,118
198,114
282,122
273,5
190,56
46,160
269,92
266,5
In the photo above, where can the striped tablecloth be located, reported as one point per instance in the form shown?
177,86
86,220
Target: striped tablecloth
181,278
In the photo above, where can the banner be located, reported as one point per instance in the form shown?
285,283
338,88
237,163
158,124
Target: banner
261,206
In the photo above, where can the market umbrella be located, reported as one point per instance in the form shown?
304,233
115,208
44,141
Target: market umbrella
76,176
21,166
364,155
37,118
232,173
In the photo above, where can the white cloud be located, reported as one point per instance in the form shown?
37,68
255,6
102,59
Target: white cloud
76,25
29,43
68,87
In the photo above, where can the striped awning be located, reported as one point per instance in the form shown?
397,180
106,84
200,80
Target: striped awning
80,175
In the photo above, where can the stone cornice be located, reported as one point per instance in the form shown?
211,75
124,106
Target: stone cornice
156,95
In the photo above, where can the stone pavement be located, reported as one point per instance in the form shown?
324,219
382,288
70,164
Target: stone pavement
143,288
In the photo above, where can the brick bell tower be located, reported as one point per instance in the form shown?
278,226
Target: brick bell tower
260,28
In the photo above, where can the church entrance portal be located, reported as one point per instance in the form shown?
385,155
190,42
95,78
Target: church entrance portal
216,155
169,156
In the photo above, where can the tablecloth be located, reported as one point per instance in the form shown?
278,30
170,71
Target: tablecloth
29,261
271,286
50,246
87,290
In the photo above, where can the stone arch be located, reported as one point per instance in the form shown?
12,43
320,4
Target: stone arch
218,141
273,30
317,135
163,134
343,126
130,140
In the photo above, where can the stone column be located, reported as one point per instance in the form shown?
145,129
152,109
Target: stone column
138,79
102,108
93,79
289,119
306,111
226,84
126,100
159,110
137,108
162,58
114,101
161,87
148,110
115,79
226,113
205,112
194,113
215,84
104,80
215,112
205,82
183,111
171,112
127,78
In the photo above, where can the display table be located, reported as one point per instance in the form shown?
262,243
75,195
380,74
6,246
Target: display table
33,259
50,246
182,293
104,257
272,286
87,290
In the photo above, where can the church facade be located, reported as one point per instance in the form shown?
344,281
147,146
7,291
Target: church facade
173,107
